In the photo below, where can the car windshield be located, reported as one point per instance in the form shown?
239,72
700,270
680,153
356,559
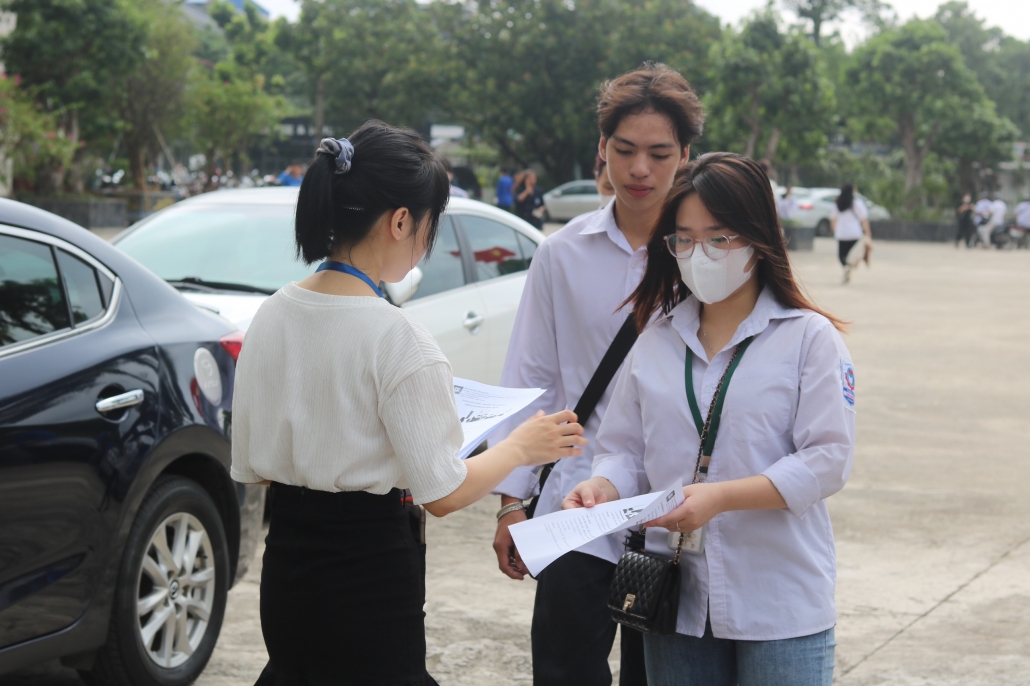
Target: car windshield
244,245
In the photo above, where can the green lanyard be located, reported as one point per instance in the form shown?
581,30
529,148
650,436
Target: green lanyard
716,409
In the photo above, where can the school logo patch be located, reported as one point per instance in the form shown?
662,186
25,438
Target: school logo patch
847,377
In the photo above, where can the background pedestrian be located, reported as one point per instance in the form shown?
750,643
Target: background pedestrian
966,215
505,200
850,224
529,198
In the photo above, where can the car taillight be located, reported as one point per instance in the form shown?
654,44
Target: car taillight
805,205
233,344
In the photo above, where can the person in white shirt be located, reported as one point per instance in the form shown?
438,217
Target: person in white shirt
1023,214
983,214
756,604
995,220
787,205
341,400
571,311
850,223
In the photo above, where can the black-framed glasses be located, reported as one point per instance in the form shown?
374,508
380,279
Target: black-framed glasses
714,247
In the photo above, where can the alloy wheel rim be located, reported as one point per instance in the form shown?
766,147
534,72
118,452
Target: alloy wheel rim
176,590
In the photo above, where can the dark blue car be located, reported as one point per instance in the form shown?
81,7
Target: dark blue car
120,529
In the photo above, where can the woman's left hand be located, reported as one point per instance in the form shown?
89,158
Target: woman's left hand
703,502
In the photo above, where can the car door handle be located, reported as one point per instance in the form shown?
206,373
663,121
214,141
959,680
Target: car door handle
472,320
120,402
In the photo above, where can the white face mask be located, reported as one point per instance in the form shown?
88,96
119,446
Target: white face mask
714,280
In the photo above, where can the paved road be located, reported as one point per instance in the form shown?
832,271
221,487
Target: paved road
933,529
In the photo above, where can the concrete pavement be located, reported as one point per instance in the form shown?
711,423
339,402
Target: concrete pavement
933,529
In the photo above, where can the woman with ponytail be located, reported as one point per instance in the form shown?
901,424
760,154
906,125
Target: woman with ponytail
341,401
757,457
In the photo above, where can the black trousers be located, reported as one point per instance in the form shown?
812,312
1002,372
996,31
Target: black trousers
573,629
342,591
843,248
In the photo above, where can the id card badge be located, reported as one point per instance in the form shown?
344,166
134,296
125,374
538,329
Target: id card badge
693,541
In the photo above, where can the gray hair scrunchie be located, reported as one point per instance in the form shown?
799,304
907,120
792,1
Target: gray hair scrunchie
341,149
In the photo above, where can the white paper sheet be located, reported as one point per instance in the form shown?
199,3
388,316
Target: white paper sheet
482,408
542,540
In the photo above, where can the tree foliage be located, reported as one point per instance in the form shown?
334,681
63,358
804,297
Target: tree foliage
911,82
771,96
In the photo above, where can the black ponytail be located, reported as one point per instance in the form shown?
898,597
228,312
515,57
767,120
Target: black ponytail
846,198
391,168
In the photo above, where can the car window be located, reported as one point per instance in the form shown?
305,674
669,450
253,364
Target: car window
528,248
80,282
251,245
830,198
495,247
31,301
582,189
442,270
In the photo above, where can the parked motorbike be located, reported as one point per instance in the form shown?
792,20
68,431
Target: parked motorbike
1011,237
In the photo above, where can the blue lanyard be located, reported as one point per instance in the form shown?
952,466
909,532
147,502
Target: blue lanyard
347,269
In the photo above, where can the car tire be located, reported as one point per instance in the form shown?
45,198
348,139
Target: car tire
156,580
823,228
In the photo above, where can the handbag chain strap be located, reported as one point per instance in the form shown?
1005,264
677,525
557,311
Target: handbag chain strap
704,431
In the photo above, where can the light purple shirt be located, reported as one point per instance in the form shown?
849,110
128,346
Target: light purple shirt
788,414
568,316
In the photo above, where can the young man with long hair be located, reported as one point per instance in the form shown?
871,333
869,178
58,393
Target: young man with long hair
570,313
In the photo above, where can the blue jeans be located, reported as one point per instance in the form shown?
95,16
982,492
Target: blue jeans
679,660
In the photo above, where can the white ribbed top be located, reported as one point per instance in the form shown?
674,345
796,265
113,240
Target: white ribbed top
344,393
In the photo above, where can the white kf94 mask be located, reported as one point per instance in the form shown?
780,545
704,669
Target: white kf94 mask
714,280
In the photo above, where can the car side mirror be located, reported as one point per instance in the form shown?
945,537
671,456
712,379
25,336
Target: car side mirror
404,290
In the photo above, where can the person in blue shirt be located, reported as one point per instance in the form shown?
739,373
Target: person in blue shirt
505,184
292,175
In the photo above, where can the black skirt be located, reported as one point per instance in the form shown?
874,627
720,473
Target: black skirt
342,591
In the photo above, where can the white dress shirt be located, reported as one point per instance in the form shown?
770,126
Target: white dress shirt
788,414
568,316
998,210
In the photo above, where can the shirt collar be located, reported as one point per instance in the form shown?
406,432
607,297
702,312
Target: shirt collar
685,320
603,221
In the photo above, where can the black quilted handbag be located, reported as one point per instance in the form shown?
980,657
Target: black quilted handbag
645,592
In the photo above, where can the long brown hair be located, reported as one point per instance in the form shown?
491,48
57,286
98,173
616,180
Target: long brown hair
736,191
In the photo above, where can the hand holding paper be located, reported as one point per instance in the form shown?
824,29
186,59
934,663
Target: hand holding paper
482,408
542,540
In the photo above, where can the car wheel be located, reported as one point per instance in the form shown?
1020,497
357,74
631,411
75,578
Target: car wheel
823,228
171,593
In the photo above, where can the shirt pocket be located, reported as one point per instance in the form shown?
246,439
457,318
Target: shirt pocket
761,402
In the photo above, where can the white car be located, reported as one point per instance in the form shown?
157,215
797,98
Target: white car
815,207
229,250
571,199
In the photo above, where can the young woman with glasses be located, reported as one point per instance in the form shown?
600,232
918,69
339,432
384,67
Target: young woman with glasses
756,599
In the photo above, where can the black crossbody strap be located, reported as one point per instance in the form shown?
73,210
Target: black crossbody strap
598,384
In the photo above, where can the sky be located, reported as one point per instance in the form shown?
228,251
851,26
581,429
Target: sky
1012,15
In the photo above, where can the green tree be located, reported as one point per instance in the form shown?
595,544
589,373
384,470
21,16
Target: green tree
70,52
771,96
524,74
30,136
227,112
820,12
150,98
1001,63
366,59
910,82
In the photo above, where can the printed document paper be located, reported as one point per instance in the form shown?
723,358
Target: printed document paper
482,408
542,540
